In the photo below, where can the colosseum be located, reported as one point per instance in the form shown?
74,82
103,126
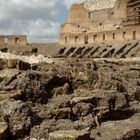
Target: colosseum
101,21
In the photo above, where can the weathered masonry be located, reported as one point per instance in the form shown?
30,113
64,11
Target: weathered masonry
133,12
13,40
101,21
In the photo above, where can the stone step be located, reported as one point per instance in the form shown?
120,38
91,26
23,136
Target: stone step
108,53
128,49
68,51
77,52
119,50
94,51
87,51
133,52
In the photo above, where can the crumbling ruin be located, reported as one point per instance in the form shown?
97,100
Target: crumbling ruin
13,40
79,100
101,21
85,95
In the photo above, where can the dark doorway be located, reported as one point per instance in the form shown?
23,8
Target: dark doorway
76,39
86,39
34,50
94,37
134,35
113,35
103,37
5,40
4,50
124,35
66,39
17,40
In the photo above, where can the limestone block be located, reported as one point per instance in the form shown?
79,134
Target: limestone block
69,135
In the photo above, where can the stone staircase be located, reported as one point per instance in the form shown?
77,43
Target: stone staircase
116,50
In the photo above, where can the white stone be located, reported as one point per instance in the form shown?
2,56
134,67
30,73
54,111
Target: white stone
69,135
99,4
30,59
3,127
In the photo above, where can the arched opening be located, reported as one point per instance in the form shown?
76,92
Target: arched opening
89,15
103,37
76,39
114,35
86,39
124,35
4,50
66,39
94,37
34,50
17,40
5,40
134,35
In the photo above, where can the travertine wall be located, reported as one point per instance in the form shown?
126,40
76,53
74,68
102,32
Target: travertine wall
95,17
74,21
13,40
120,35
99,4
133,12
49,49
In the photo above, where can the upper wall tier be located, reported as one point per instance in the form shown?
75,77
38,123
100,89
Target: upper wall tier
13,40
99,4
116,15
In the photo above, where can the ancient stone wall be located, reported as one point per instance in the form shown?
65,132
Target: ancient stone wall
75,21
99,4
13,40
133,12
124,34
101,20
49,49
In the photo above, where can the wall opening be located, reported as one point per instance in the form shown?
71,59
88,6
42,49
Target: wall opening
124,35
76,38
4,50
34,50
66,39
134,35
100,24
114,35
112,13
17,40
78,26
89,14
61,51
5,40
94,37
86,39
103,37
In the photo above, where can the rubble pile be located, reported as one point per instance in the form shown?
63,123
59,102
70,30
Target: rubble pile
72,99
29,59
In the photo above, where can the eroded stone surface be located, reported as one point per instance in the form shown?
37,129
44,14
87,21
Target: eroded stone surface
109,98
98,4
3,130
70,134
